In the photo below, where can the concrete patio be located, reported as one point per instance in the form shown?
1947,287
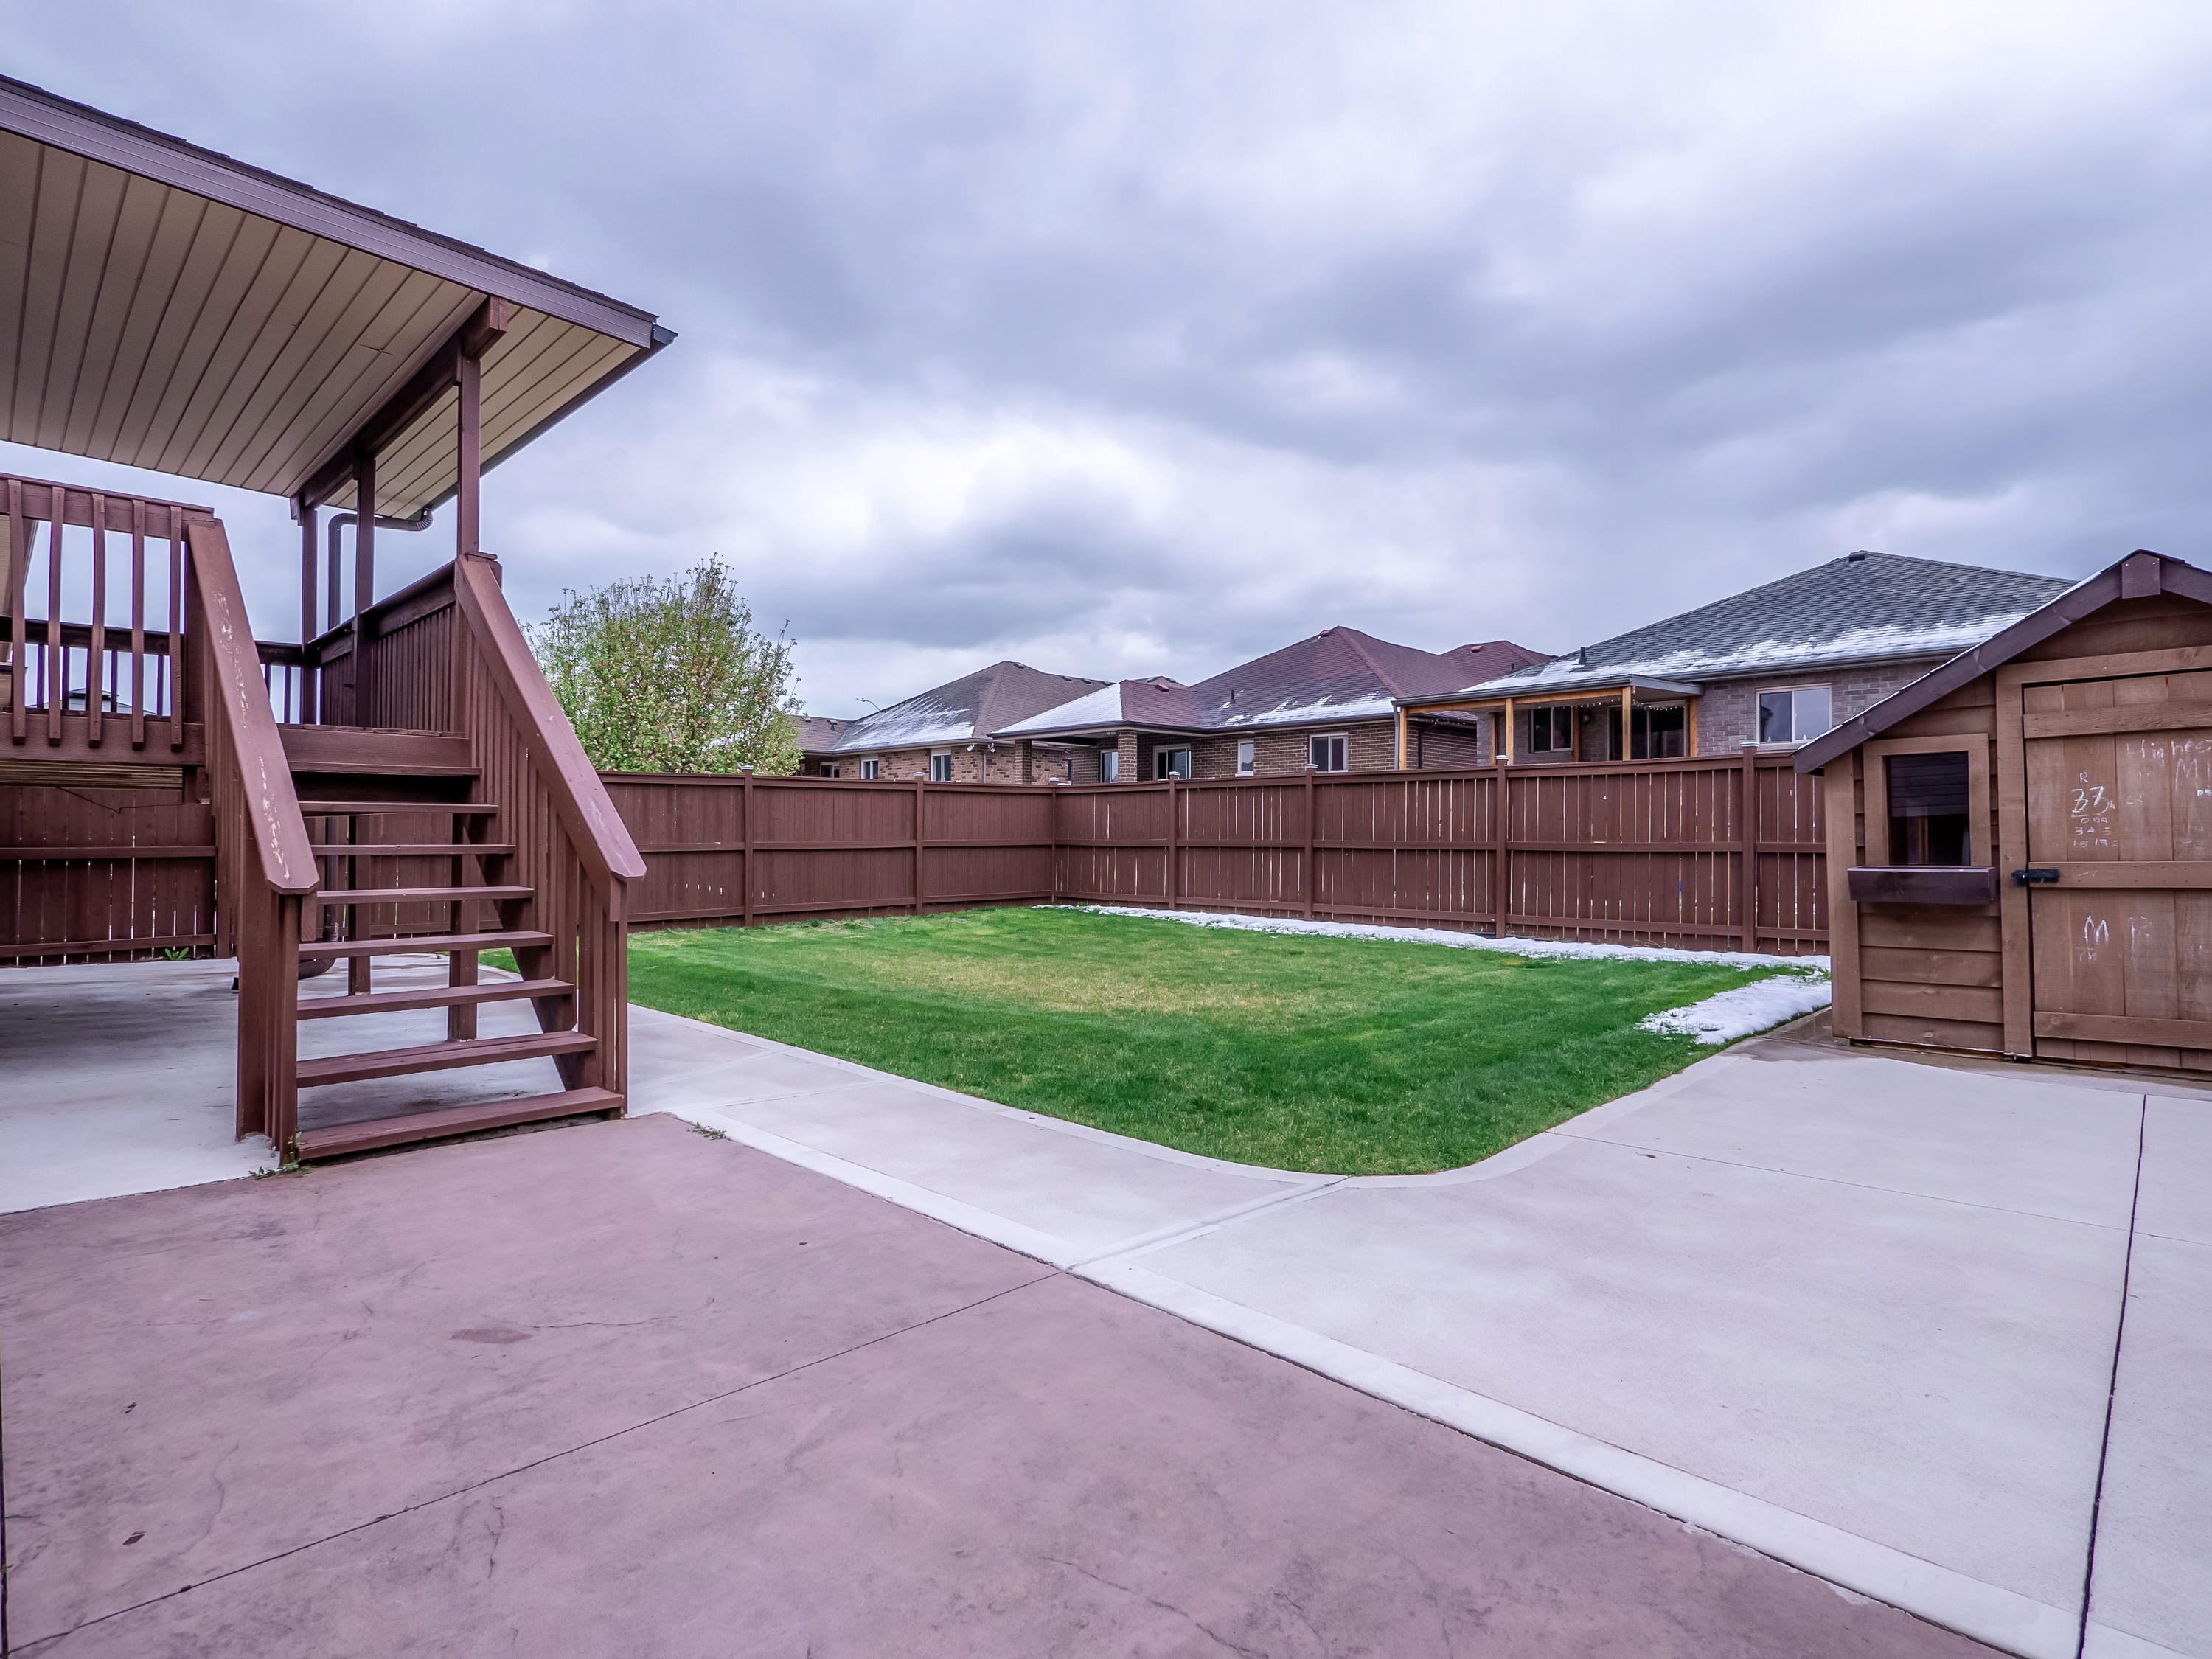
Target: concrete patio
1857,1312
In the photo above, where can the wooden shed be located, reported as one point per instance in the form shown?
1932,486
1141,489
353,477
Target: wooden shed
2019,842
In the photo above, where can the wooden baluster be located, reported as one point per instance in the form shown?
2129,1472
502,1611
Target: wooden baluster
137,623
54,677
176,659
19,555
96,661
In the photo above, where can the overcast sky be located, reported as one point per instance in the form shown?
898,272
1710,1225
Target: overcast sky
1143,338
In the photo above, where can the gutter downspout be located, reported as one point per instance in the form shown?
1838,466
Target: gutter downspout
420,521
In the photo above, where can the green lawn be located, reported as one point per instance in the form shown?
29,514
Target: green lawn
1348,1055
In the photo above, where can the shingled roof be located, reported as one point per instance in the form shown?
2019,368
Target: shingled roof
1863,607
1338,674
966,710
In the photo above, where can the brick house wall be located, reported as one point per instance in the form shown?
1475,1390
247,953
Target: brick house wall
1444,749
1728,714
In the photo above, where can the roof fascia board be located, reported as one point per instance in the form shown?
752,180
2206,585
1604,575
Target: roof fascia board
1488,698
2084,599
82,131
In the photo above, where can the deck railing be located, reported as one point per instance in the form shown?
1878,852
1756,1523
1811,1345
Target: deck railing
264,867
94,625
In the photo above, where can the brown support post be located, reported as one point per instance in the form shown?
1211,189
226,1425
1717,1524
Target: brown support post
1306,869
57,668
98,649
364,578
1501,863
1627,726
179,674
1747,829
1175,846
745,859
1840,809
137,623
920,786
11,605
470,378
307,675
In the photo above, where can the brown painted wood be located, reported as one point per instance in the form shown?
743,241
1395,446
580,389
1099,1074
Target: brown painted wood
342,1139
1889,883
439,996
412,944
2013,850
1984,1037
1841,785
2133,1030
1939,1002
1982,968
413,895
346,749
2175,717
318,807
439,1057
416,849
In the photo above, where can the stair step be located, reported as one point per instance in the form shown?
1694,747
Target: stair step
409,943
440,1057
368,752
365,809
441,996
455,1121
413,895
409,849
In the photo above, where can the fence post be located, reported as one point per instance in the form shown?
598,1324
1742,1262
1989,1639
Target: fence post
1501,863
1306,869
920,786
1175,847
1747,825
746,858
1052,836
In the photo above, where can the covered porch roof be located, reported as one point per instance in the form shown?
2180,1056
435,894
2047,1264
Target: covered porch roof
1598,688
165,307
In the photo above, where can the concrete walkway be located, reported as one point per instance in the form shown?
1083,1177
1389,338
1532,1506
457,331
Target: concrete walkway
1857,1311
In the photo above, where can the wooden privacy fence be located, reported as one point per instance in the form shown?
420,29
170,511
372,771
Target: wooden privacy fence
1716,853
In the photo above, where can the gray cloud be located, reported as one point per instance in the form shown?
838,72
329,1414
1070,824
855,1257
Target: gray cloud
1138,338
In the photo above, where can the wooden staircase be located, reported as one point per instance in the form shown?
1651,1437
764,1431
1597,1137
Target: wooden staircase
370,796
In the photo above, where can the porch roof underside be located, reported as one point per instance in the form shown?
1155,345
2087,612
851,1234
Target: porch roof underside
1600,689
167,307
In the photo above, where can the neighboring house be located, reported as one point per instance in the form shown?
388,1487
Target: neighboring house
1776,665
945,733
817,744
1327,702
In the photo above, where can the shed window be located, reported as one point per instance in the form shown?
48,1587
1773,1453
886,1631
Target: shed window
1327,753
1797,715
1928,815
1551,731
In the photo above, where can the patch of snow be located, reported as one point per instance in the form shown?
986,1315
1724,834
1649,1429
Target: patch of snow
1690,662
1366,708
899,726
1727,1015
1099,707
1577,949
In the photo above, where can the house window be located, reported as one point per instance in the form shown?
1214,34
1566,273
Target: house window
1929,817
1325,753
870,768
1248,754
1170,763
940,766
1109,766
1551,731
1798,716
830,769
1659,733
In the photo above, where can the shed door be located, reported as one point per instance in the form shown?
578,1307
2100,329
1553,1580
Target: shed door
2118,785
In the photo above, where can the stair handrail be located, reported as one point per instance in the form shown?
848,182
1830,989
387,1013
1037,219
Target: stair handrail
236,690
600,837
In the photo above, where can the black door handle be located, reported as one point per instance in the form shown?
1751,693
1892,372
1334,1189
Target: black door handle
2034,878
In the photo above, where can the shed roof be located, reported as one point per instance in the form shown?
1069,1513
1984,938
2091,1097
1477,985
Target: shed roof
1338,674
168,307
967,710
1862,607
2142,575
